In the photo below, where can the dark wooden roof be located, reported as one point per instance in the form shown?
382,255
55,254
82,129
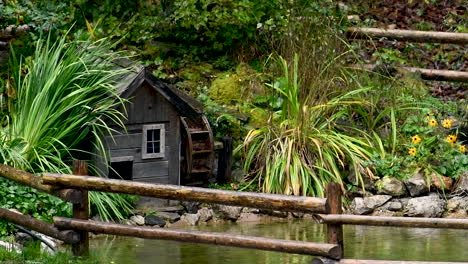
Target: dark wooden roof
127,85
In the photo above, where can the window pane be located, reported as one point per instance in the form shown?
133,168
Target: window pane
156,133
149,147
157,147
149,135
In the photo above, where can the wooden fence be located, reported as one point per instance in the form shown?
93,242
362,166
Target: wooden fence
414,36
73,188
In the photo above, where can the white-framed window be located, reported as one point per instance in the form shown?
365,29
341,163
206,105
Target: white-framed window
153,144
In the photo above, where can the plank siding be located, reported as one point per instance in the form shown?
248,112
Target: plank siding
150,169
146,106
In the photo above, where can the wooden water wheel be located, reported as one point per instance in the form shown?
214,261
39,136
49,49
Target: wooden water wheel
197,151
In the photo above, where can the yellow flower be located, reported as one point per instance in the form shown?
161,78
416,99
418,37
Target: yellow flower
416,139
447,123
412,151
432,122
462,148
451,138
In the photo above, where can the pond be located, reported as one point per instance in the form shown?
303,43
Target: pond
363,242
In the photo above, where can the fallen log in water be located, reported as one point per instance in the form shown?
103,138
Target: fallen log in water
391,221
368,261
39,226
426,74
31,180
407,35
222,239
176,192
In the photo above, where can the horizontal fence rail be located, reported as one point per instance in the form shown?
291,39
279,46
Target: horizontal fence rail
392,221
26,221
31,180
223,239
426,74
408,35
176,192
368,261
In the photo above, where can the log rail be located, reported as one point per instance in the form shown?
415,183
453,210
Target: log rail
415,36
408,35
326,211
176,192
222,239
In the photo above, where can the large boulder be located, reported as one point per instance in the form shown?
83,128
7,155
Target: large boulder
367,205
461,186
416,185
426,206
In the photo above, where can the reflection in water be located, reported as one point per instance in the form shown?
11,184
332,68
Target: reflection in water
362,242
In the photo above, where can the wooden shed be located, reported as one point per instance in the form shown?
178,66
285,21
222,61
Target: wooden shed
166,139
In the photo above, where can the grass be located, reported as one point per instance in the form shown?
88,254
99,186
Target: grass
32,254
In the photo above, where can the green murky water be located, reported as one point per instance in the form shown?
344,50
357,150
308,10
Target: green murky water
364,242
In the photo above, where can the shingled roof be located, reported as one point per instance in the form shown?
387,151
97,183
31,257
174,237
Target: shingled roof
127,84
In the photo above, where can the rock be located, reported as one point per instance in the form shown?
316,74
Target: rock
274,213
426,206
191,219
251,210
205,214
416,185
170,217
393,205
138,220
367,204
228,212
190,207
153,220
457,203
440,182
379,212
391,186
461,186
249,217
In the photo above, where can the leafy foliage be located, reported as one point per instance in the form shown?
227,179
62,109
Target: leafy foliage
59,99
303,147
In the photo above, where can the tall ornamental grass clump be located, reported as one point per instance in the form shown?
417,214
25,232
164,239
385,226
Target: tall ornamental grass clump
304,146
63,95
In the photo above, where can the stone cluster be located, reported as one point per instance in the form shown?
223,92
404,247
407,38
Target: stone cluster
418,196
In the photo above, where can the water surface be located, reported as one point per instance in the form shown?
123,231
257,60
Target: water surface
363,242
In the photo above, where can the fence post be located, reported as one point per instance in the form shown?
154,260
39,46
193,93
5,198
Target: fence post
333,206
81,211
